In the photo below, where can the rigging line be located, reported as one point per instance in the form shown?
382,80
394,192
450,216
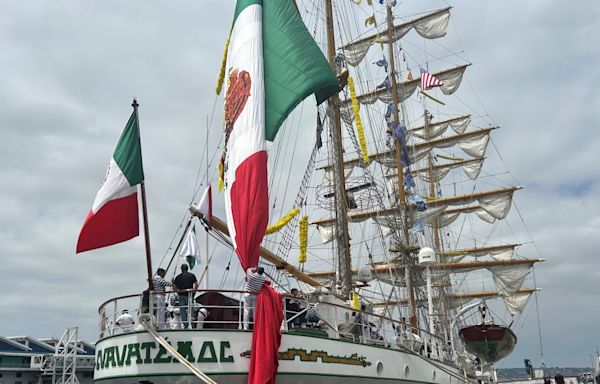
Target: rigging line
502,160
174,237
196,187
537,310
283,137
205,269
281,211
227,269
198,184
527,229
180,242
209,166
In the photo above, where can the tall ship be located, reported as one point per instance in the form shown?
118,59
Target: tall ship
383,238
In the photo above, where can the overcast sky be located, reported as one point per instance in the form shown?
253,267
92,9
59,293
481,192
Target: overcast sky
68,73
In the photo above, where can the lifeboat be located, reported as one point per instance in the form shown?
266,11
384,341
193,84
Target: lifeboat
489,342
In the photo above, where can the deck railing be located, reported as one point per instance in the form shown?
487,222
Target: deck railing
334,320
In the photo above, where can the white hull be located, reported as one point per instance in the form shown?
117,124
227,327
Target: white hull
222,354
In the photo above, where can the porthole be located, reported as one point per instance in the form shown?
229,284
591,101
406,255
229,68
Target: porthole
406,371
379,368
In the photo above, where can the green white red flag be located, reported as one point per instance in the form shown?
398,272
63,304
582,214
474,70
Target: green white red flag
114,215
190,251
273,64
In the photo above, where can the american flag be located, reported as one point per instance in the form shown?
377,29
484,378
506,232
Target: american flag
428,80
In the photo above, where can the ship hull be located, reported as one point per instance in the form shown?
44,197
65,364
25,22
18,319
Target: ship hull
224,355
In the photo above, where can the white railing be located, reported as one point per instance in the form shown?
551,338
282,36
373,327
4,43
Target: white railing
337,321
168,313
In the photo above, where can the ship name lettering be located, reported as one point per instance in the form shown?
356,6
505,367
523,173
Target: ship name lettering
152,353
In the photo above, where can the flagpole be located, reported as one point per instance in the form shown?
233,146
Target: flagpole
135,106
206,254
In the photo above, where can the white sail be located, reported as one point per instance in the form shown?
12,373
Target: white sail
430,26
516,302
509,278
452,79
473,143
434,130
471,168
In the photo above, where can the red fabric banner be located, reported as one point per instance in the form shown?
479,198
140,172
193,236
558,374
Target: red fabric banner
250,207
266,337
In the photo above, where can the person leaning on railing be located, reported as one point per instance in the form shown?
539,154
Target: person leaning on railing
159,284
293,309
184,281
254,282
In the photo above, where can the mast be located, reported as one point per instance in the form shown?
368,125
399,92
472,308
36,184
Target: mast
135,106
206,285
401,196
343,242
432,194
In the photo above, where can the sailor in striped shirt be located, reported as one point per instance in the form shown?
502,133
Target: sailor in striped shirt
255,280
159,284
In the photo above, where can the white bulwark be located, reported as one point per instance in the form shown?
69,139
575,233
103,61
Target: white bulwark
327,345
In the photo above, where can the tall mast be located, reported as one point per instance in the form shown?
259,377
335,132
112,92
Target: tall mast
206,285
401,194
432,194
135,106
435,225
343,242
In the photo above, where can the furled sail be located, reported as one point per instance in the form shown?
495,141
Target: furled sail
497,252
495,204
459,300
450,215
434,130
501,268
472,168
451,78
473,143
430,26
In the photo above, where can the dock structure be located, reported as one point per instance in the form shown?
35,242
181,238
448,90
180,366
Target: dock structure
29,360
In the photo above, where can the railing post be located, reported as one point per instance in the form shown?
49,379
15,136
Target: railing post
152,310
189,309
285,322
114,322
240,314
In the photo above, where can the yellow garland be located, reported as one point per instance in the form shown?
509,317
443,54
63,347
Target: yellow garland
282,222
303,233
359,126
355,301
221,176
223,64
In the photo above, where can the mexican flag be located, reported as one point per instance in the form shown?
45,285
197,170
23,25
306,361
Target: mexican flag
273,64
190,251
114,215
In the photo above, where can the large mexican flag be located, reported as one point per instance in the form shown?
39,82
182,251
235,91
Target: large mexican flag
273,64
114,215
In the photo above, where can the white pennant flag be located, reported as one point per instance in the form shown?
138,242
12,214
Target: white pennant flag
190,250
205,205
